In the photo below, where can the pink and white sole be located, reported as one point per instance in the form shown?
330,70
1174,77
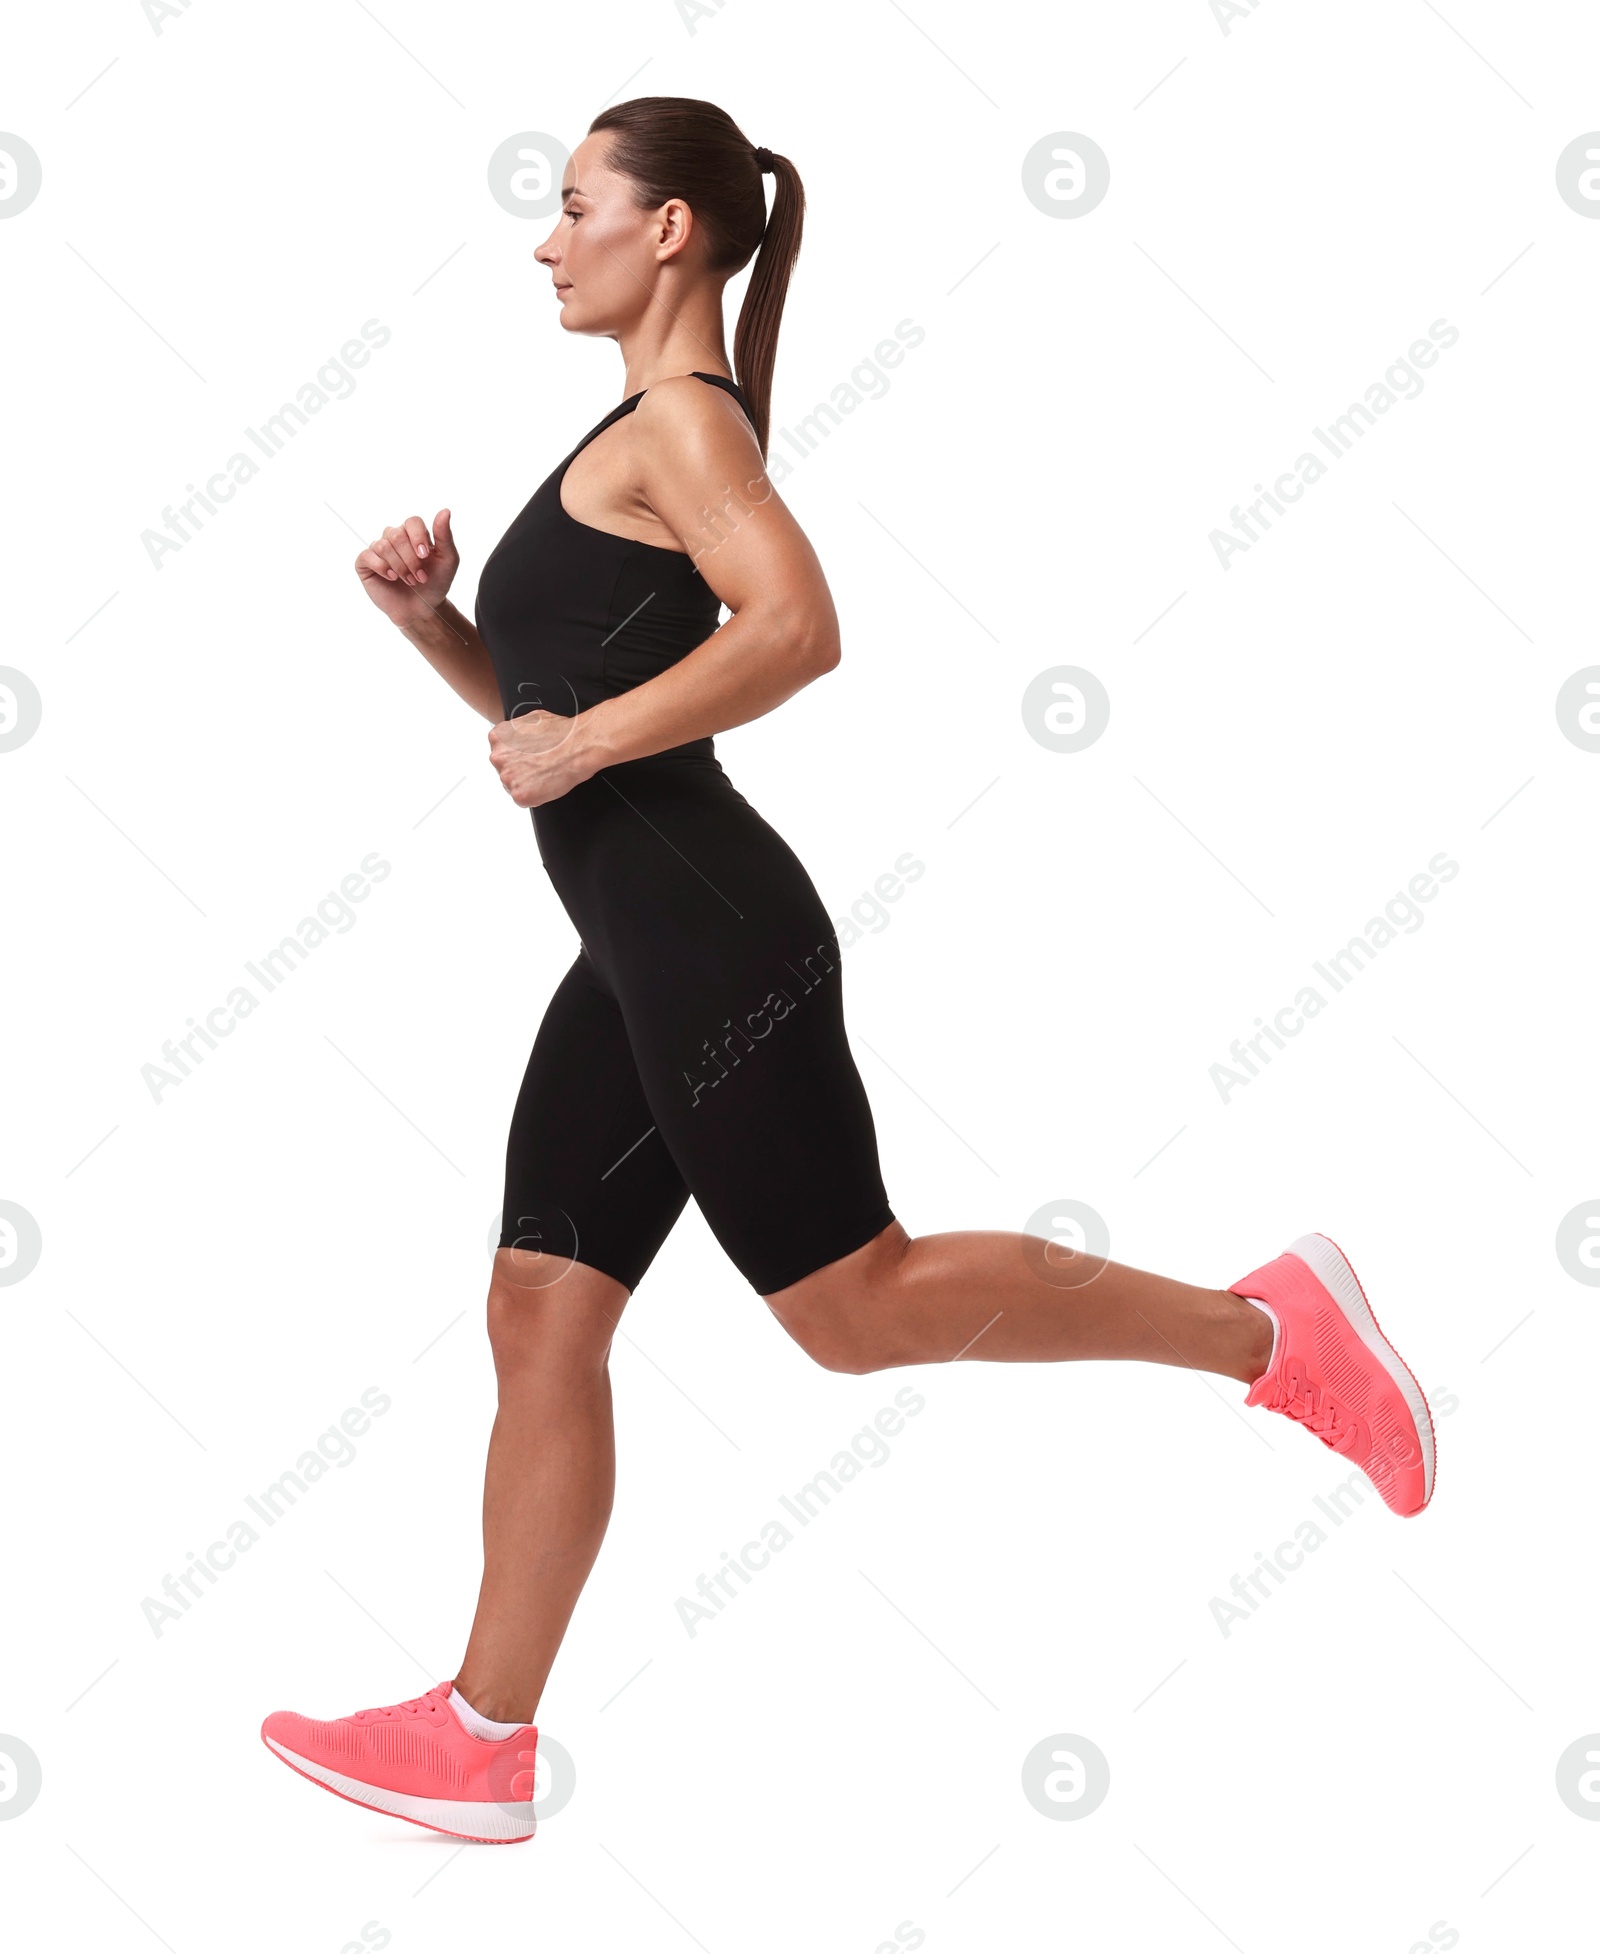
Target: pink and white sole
483,1823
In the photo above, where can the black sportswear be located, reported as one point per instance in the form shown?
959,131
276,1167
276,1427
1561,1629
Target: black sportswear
697,1045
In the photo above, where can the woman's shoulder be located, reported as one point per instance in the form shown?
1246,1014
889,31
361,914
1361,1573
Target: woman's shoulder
684,411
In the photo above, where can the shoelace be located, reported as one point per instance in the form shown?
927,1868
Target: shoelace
414,1706
1298,1398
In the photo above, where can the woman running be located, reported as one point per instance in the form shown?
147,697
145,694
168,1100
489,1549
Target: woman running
697,1044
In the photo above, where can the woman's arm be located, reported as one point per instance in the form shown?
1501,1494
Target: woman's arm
697,469
450,643
407,573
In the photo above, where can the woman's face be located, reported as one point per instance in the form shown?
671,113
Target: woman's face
605,253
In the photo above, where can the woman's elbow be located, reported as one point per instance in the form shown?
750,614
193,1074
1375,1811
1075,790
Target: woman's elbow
815,645
803,636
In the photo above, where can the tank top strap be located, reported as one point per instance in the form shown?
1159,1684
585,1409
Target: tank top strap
623,407
627,406
729,387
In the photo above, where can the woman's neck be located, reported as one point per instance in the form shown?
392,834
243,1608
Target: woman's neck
678,332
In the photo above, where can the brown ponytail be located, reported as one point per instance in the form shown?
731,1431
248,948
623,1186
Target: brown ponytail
674,146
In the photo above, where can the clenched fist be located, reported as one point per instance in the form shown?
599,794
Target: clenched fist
540,756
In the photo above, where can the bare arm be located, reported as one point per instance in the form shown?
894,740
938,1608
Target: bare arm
698,471
406,573
449,641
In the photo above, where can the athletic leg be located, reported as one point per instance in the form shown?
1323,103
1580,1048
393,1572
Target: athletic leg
1011,1299
590,1195
740,1043
548,1483
1319,1357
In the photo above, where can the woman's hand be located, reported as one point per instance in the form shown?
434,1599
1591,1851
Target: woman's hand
407,573
540,756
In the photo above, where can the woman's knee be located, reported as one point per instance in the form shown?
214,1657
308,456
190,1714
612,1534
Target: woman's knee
829,1337
543,1318
842,1315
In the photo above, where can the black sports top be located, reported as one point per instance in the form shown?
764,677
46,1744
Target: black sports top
572,614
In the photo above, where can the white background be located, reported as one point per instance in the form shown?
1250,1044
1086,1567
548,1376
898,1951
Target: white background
1373,1752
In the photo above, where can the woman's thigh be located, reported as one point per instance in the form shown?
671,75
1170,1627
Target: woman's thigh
588,1175
752,1085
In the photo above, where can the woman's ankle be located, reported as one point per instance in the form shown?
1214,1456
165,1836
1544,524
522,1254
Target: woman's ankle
1252,1339
492,1701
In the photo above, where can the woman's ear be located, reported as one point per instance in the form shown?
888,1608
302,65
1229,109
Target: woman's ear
676,228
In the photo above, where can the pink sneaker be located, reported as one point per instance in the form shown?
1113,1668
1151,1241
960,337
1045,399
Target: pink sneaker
415,1761
1334,1371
